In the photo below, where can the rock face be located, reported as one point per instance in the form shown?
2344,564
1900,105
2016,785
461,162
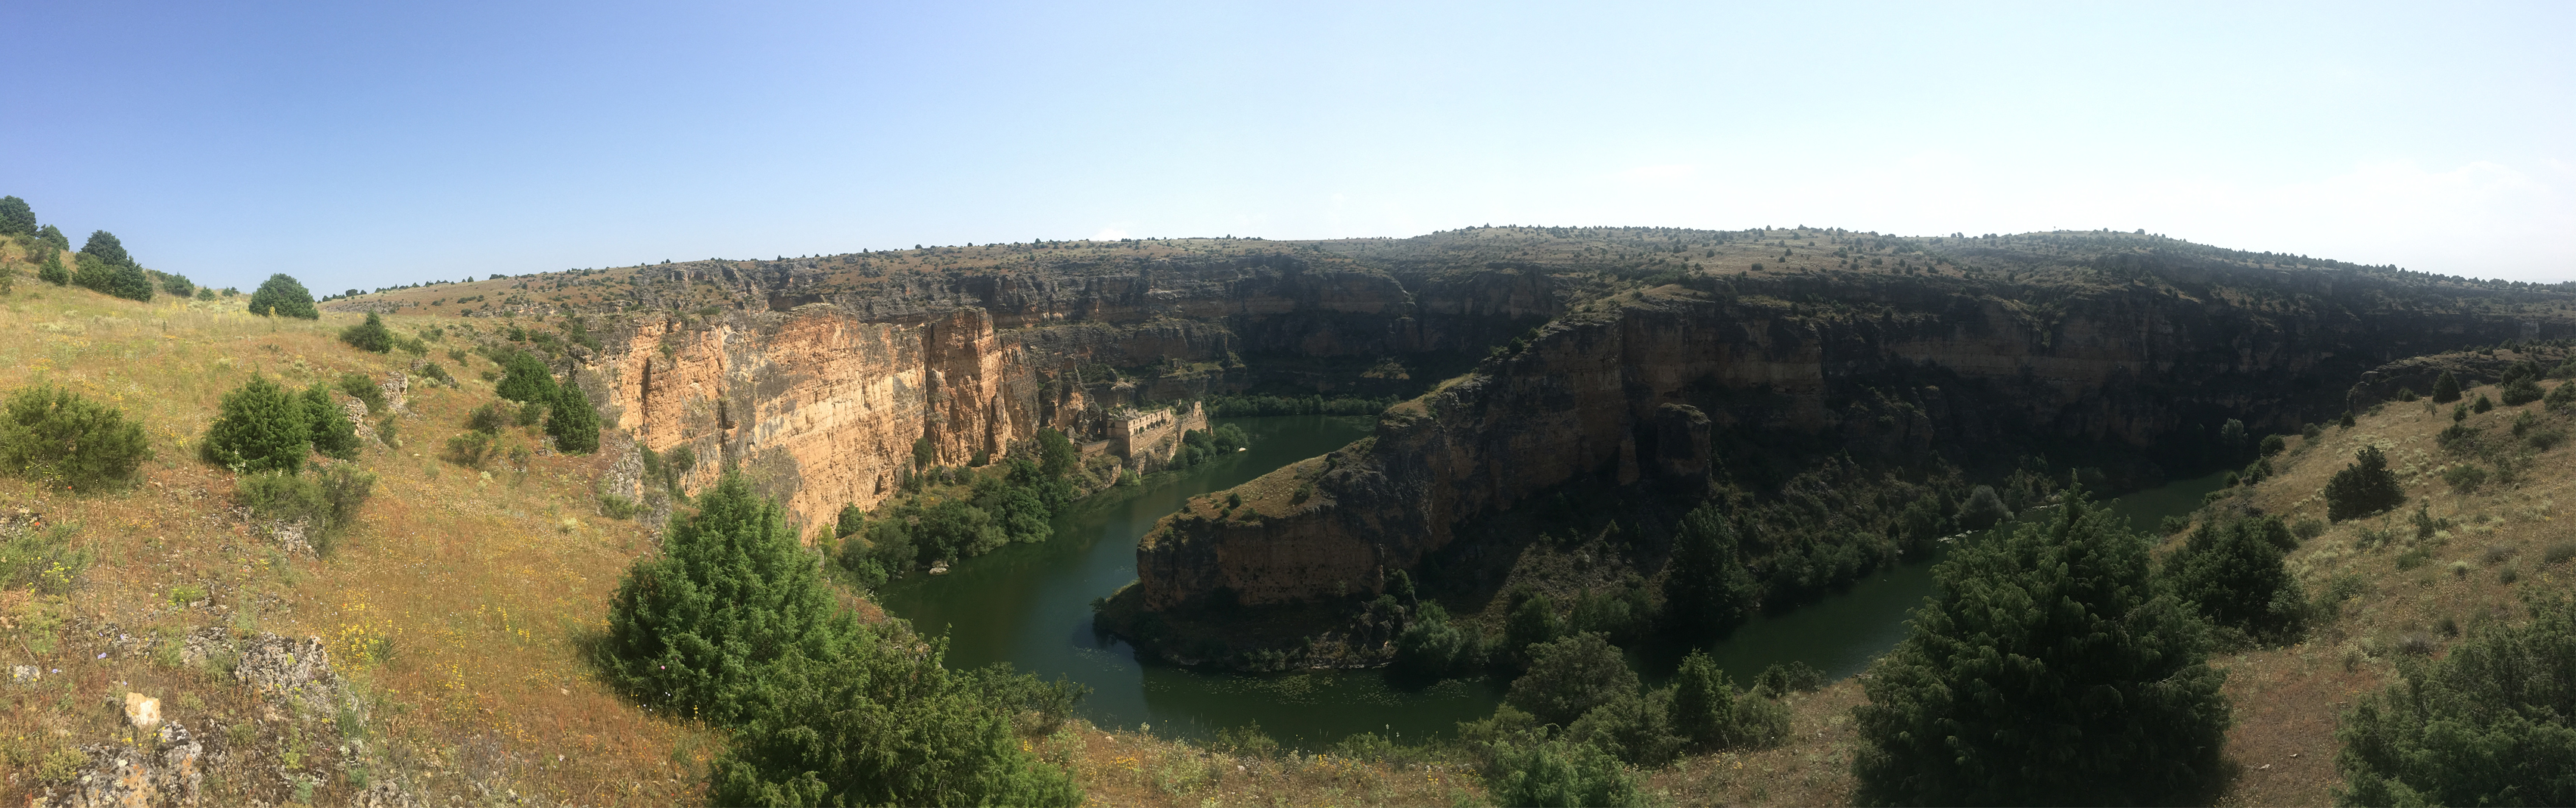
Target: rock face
825,404
1890,369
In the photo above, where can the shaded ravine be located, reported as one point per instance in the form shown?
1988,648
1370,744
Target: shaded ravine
1030,606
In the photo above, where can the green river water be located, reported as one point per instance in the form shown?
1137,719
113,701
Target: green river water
1030,605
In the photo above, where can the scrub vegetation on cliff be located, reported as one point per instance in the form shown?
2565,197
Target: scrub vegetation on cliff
462,618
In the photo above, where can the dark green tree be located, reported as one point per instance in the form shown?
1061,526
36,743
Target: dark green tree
525,378
2492,723
282,296
2049,668
571,420
1710,713
882,724
2273,445
851,520
2364,487
108,278
16,219
1429,647
332,434
1532,622
2234,573
2446,389
104,246
1706,588
51,269
260,427
1569,677
177,284
52,235
59,436
1560,773
695,629
369,336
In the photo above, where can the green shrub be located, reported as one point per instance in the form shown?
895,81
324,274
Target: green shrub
572,422
54,435
2558,552
2233,573
437,373
2308,528
2521,391
282,296
2488,724
369,336
1790,677
1984,509
697,628
326,501
1560,773
110,278
1245,741
1431,647
332,433
851,520
2273,444
2363,487
2465,477
2446,389
45,560
363,388
261,427
525,378
1709,713
529,414
2048,668
1707,590
2483,405
1570,676
51,269
486,418
470,449
616,507
2559,396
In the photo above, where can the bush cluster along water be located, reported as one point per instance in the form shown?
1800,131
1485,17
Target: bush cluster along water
1030,605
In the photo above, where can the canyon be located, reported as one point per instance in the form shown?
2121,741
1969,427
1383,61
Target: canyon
1525,358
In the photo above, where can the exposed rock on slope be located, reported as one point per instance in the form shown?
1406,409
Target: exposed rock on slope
1893,368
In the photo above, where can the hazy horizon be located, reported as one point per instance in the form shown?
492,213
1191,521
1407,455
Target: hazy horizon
366,147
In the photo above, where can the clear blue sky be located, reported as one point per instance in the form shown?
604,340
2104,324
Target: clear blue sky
371,144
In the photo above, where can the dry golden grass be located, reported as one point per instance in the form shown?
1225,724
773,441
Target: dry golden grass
480,589
1128,768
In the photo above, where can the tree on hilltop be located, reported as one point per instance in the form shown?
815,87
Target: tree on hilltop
283,296
104,245
2446,389
16,219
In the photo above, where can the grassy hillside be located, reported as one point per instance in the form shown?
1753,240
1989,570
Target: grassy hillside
456,611
2385,590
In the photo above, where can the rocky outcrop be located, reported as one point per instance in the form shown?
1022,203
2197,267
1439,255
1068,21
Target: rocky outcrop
825,403
1890,369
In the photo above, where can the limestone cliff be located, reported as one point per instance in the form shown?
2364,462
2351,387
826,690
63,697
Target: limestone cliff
1633,386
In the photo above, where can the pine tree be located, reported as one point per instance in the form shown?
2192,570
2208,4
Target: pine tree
2364,487
2049,668
571,420
2234,573
51,270
694,629
2446,389
104,245
16,219
260,427
283,296
1706,588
